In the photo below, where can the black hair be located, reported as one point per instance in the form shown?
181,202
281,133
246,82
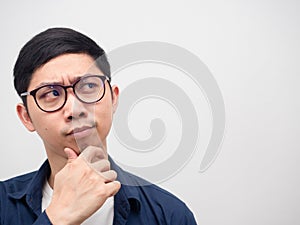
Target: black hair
49,44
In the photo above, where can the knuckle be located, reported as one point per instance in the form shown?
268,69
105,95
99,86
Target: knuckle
106,165
113,174
110,175
102,191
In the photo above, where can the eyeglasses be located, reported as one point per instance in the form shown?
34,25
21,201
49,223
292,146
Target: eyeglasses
52,97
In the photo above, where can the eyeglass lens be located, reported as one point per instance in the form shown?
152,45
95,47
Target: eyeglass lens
88,89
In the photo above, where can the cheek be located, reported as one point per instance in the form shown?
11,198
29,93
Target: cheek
45,129
103,119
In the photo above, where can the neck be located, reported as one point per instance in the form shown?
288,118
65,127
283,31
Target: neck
56,166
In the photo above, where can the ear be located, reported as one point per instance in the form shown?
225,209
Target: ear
24,117
115,97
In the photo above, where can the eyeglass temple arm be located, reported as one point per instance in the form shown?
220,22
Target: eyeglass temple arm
24,94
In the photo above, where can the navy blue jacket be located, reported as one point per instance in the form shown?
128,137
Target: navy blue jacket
21,197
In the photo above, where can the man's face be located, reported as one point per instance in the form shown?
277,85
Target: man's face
77,125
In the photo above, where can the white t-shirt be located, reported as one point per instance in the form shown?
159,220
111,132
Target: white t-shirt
104,216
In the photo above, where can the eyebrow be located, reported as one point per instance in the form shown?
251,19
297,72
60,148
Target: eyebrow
47,83
58,83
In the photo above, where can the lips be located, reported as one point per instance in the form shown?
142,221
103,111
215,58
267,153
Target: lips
77,130
81,131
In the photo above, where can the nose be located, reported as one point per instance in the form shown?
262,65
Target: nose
73,108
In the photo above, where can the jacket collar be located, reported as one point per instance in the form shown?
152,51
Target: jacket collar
129,191
30,186
128,198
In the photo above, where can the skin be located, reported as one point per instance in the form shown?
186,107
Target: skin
80,170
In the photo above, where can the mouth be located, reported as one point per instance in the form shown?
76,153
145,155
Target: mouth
81,132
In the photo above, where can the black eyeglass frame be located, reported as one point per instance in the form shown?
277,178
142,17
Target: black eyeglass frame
33,92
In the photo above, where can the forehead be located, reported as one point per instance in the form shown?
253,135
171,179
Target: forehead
64,69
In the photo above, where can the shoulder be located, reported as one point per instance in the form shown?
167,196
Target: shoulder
159,201
20,178
162,195
146,188
11,193
27,182
151,202
16,184
169,203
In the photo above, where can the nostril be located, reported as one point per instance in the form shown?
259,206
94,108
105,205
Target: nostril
81,114
70,117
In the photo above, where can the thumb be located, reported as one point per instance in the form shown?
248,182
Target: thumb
71,154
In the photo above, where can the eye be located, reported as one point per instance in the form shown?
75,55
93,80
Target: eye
88,87
91,85
55,93
49,93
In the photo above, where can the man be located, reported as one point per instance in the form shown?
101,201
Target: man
63,78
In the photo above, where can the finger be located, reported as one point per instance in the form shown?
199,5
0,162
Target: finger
92,154
109,176
71,154
113,187
101,165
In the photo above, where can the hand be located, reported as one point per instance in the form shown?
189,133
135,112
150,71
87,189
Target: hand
81,187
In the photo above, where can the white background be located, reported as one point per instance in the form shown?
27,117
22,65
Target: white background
252,49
